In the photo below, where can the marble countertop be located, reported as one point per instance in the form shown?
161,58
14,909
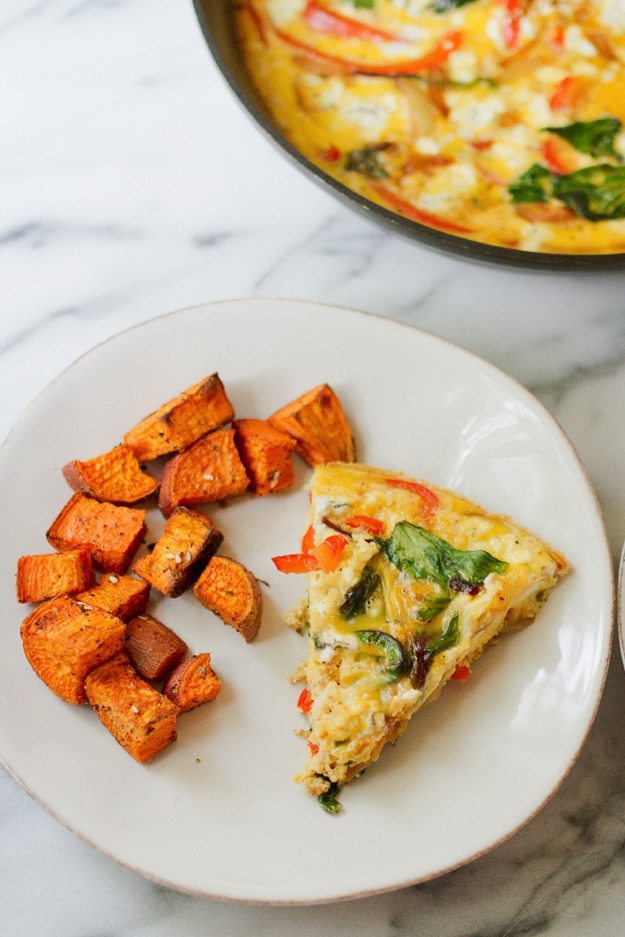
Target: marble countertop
131,184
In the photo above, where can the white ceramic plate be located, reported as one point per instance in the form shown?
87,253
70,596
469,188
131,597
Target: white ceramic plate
217,813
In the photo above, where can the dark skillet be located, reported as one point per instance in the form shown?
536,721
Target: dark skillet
216,20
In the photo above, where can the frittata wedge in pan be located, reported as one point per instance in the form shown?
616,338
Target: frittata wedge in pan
408,584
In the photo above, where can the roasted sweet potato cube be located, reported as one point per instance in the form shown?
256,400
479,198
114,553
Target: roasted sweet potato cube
123,596
114,476
318,424
181,421
230,590
48,575
192,683
111,532
188,542
153,648
141,719
209,470
64,641
267,455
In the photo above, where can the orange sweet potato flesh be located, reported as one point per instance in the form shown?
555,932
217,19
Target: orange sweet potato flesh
114,476
209,470
192,683
179,422
318,424
48,575
230,590
112,533
64,642
152,647
123,596
267,454
187,543
140,718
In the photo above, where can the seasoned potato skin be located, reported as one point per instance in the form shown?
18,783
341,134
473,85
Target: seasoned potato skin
209,470
113,476
192,683
231,591
179,422
318,424
153,648
188,541
64,642
48,575
112,533
267,454
123,596
140,718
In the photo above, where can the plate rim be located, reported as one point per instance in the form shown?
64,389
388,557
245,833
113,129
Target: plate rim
528,397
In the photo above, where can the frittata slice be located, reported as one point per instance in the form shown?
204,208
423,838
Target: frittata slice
411,583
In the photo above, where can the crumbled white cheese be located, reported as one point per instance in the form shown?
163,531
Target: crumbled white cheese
575,41
462,66
427,146
281,11
370,115
612,13
471,112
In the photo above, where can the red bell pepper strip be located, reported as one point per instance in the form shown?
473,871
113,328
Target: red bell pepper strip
461,673
363,521
308,540
565,93
512,25
257,20
305,701
435,58
416,214
312,747
331,154
556,36
554,157
295,563
328,553
429,499
327,21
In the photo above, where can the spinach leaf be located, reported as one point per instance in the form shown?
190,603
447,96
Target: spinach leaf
425,649
328,800
357,596
442,642
535,185
432,606
596,193
367,162
595,137
442,6
398,660
423,555
364,4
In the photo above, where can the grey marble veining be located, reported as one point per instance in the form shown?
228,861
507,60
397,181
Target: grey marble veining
131,184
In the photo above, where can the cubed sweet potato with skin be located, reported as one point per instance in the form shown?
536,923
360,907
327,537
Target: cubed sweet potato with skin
186,545
192,683
318,424
140,718
267,454
230,590
64,642
209,470
179,422
152,647
123,596
48,575
114,476
112,532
